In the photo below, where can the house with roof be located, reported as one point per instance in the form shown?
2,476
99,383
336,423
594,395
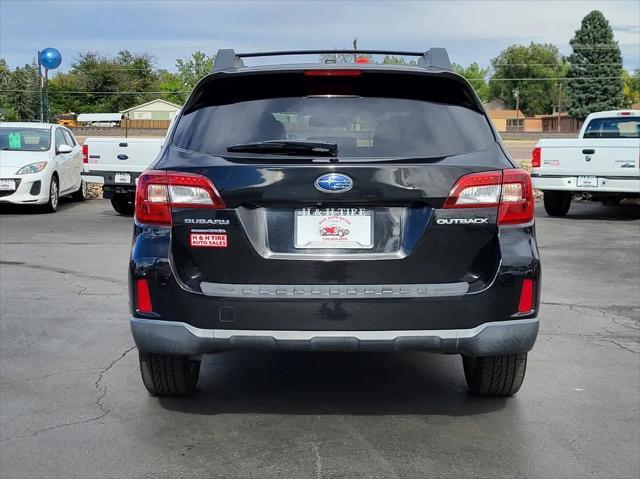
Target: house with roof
157,113
507,120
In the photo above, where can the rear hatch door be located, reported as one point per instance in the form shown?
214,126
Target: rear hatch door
370,214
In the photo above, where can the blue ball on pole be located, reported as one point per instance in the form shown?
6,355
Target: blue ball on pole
50,58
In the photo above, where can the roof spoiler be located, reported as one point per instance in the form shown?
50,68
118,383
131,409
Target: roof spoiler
228,59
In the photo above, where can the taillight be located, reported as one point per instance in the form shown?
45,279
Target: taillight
516,203
508,190
536,156
477,190
333,73
159,191
85,154
143,298
526,296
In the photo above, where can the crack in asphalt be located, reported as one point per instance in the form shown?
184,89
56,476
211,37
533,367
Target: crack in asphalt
57,373
97,402
612,311
101,375
620,346
63,271
596,339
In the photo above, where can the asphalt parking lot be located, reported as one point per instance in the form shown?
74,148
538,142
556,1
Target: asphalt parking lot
72,403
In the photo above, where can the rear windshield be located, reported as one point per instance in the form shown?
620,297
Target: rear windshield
619,127
24,139
366,118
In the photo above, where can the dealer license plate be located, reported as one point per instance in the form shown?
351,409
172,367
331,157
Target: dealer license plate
122,178
7,185
334,228
587,181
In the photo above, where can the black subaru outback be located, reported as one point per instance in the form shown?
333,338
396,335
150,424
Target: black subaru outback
340,207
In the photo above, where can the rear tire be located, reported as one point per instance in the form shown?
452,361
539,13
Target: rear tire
168,375
557,203
82,193
122,204
495,375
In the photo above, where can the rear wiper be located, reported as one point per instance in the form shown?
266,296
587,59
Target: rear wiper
289,147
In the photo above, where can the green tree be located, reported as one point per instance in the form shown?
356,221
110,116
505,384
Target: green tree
100,84
136,75
23,96
631,88
5,82
594,79
477,77
191,70
172,86
536,71
393,60
64,94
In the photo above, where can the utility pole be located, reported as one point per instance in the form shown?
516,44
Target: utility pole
516,94
559,107
355,47
46,94
41,84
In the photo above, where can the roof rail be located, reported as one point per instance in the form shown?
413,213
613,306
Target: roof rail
227,59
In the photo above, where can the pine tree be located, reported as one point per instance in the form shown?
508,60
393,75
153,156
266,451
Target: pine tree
594,79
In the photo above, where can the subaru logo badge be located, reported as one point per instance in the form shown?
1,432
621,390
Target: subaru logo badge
334,183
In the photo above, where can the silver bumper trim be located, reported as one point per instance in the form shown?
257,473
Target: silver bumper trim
493,338
293,291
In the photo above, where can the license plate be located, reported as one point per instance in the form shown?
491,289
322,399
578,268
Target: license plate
7,185
587,181
333,228
122,178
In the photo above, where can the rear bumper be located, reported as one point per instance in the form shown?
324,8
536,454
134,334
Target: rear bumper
569,183
488,339
108,178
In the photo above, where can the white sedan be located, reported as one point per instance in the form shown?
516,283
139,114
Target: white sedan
39,163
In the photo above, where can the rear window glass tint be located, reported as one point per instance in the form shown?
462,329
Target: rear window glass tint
365,118
618,127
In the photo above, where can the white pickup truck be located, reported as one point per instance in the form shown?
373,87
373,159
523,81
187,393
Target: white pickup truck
116,164
602,164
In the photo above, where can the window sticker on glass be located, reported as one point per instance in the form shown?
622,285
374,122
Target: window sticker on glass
15,141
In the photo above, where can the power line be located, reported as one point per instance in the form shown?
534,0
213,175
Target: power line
100,92
557,78
550,65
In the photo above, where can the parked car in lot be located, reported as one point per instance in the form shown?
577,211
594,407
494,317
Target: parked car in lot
39,163
228,250
116,164
603,164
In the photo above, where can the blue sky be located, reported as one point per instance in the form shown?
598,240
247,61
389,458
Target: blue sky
473,30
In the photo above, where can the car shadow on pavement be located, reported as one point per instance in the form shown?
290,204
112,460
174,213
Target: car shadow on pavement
587,210
11,209
332,383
